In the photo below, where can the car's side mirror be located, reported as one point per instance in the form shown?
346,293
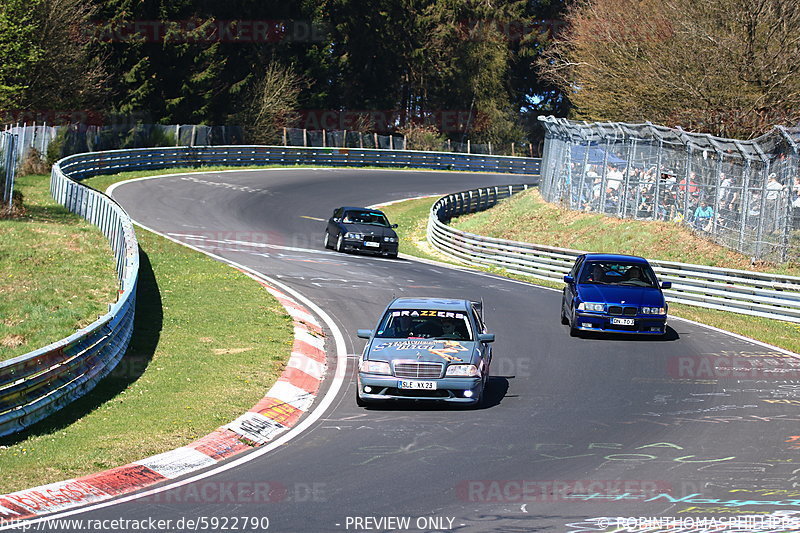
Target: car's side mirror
394,225
568,279
666,284
486,337
364,333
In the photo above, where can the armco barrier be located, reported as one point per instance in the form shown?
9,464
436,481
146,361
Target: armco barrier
35,385
738,291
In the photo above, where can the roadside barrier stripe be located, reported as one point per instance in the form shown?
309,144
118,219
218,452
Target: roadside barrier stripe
281,408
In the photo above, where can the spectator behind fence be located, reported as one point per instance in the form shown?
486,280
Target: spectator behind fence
703,216
773,210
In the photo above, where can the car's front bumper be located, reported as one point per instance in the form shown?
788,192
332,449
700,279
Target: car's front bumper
389,248
450,390
642,325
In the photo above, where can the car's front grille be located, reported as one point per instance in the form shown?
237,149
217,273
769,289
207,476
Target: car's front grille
619,310
417,369
372,238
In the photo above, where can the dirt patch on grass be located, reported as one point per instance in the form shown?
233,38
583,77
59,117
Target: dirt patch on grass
229,351
12,341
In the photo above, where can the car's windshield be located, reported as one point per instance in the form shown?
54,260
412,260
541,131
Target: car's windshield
365,217
425,324
618,273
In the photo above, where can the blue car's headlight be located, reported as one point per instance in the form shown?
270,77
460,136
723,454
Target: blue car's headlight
463,371
654,311
353,235
589,306
390,239
375,367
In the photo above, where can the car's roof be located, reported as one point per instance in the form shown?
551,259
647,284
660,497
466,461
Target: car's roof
438,304
616,257
352,208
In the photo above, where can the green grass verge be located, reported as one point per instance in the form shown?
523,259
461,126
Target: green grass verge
530,219
57,272
208,343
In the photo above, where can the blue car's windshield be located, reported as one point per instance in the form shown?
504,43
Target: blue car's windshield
618,273
365,217
425,324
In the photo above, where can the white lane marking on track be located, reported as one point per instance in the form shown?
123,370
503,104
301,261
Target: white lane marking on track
336,384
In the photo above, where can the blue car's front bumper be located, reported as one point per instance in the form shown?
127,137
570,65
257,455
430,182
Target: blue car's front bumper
642,324
450,390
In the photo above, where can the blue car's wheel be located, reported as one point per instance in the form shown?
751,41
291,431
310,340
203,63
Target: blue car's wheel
564,320
328,244
573,330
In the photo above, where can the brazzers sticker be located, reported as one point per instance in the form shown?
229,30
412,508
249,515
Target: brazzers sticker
444,349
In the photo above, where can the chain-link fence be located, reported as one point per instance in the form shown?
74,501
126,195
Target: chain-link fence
8,142
357,139
55,142
742,194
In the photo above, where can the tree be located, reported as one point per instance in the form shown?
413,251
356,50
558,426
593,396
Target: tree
727,67
45,63
274,103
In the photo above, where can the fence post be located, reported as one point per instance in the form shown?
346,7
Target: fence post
324,138
512,149
284,137
344,139
762,208
305,137
469,149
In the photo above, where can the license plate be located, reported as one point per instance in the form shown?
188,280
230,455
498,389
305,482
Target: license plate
372,244
424,385
622,321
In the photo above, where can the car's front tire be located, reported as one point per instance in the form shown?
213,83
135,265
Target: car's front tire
564,320
340,243
328,244
573,330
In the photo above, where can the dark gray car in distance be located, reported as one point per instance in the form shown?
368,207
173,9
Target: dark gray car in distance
361,229
430,349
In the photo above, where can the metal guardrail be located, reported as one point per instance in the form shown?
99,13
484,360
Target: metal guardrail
739,291
39,383
157,158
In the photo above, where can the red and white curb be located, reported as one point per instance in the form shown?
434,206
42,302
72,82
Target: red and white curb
280,409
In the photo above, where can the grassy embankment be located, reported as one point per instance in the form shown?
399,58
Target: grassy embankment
208,342
526,217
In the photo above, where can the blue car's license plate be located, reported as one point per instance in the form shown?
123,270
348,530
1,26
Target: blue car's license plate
622,321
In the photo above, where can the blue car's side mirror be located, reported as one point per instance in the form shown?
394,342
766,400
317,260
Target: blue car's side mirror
364,333
666,284
568,279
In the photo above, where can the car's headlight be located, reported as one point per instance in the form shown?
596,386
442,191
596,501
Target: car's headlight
589,306
654,311
375,367
390,239
463,371
352,235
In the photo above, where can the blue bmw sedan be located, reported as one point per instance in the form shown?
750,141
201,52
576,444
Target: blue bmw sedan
613,293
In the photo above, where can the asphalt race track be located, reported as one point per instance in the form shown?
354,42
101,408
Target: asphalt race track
578,433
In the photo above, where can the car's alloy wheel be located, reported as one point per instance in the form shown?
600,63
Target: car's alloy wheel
340,243
564,320
328,244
